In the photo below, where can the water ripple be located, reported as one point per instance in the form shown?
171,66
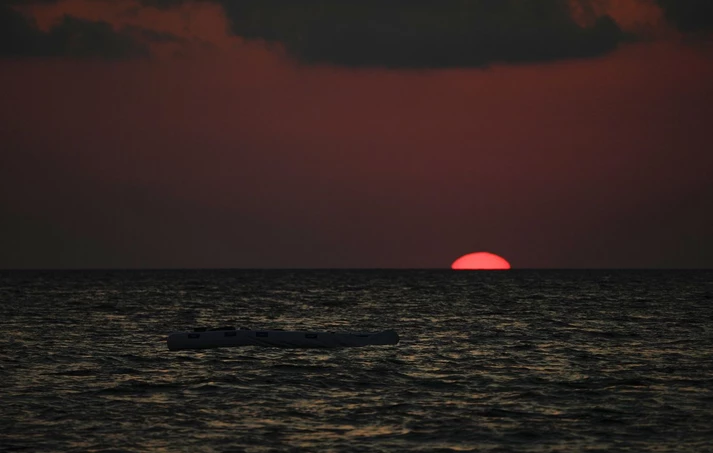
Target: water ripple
516,361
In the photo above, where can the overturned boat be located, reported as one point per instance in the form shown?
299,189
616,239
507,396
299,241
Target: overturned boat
204,338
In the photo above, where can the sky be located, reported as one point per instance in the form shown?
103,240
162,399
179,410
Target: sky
355,134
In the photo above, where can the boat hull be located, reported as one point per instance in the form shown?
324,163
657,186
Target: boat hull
277,338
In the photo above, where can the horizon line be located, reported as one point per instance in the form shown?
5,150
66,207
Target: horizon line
59,269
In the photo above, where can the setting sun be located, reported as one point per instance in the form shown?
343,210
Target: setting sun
480,261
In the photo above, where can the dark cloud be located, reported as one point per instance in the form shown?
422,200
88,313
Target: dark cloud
383,33
163,4
420,33
82,38
20,36
689,15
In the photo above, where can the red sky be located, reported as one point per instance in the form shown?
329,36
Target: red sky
231,154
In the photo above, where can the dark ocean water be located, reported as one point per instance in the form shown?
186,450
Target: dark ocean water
488,361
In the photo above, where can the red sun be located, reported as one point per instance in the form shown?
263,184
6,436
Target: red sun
480,261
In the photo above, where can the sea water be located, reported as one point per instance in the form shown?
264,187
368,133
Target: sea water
488,361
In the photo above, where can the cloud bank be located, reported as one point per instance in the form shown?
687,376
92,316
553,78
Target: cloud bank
366,33
689,15
71,37
423,34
